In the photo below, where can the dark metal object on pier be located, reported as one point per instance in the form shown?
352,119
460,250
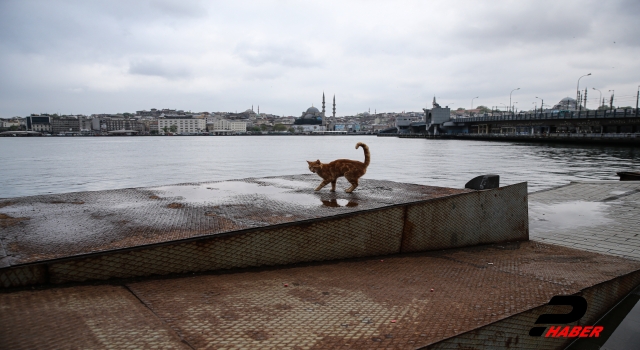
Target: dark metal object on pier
629,175
484,182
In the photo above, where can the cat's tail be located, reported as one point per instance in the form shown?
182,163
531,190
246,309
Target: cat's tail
367,155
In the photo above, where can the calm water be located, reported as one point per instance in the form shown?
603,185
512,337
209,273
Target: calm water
31,166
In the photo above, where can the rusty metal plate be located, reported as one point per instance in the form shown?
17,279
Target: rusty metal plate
508,333
105,317
374,303
481,217
365,234
41,228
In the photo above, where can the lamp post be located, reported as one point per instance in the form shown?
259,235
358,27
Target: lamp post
472,101
510,97
600,98
611,101
578,90
541,103
505,106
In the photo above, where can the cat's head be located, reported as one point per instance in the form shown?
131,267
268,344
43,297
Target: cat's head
315,166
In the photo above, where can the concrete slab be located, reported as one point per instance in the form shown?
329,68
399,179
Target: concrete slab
371,303
598,216
246,223
47,227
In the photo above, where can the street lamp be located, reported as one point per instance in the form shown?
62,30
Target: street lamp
541,103
578,90
600,98
613,92
472,101
510,97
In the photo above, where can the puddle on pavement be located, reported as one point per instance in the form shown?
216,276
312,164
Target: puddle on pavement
220,192
615,193
335,203
289,183
567,215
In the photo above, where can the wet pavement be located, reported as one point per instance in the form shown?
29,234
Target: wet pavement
445,299
47,227
398,302
602,217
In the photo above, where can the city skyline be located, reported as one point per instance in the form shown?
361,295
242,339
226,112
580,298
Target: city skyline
72,57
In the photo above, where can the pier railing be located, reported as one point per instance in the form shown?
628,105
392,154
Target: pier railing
617,113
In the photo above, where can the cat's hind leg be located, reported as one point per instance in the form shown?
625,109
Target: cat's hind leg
353,179
322,184
333,185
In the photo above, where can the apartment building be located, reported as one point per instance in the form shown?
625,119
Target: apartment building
186,125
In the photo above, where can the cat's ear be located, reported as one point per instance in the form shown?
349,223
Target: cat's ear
318,161
309,162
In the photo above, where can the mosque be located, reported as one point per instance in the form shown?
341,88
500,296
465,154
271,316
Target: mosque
312,116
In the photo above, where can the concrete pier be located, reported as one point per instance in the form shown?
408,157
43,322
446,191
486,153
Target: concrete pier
457,268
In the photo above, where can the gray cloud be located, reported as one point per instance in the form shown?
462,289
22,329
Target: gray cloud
389,56
158,68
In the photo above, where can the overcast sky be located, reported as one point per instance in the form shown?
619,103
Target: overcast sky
112,56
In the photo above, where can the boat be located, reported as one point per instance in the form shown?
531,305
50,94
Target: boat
629,175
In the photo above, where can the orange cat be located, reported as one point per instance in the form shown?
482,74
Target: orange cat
352,170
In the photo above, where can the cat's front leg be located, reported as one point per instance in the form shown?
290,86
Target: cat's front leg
333,186
324,183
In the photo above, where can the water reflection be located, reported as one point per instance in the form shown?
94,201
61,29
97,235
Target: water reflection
335,203
566,215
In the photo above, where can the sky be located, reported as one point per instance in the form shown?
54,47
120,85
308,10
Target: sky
86,57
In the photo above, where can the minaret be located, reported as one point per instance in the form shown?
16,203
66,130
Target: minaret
252,108
334,108
258,109
324,122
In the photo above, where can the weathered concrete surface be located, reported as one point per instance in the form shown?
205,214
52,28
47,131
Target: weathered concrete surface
248,223
47,227
483,297
372,303
602,217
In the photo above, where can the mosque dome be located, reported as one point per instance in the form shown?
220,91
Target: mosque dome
312,110
568,99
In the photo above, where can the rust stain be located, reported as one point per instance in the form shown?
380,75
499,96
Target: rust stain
154,197
66,202
6,204
8,221
175,206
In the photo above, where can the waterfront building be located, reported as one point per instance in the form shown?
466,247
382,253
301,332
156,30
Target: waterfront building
38,123
65,125
227,127
184,124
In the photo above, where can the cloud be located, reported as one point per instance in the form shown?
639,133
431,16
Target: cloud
153,67
390,56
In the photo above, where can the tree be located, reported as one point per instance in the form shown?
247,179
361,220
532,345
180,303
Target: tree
291,130
173,128
165,129
460,109
483,109
127,115
279,127
153,132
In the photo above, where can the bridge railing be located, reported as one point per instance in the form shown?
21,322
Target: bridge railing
618,113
